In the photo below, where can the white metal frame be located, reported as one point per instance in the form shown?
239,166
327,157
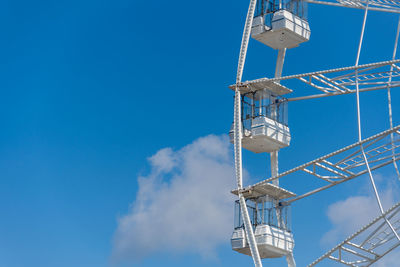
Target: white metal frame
338,81
367,245
357,159
392,6
238,135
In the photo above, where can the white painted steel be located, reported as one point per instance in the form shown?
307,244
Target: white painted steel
239,241
391,6
274,87
274,155
291,31
390,98
272,242
338,81
279,62
238,134
290,260
265,135
245,40
266,189
249,232
287,31
362,68
378,199
367,245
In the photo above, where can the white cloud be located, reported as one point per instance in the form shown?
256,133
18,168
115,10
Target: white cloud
163,161
183,205
350,214
391,259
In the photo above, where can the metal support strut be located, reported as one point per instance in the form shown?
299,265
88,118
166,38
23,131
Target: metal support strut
359,128
238,135
274,155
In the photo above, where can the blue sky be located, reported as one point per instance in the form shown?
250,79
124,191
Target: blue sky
90,90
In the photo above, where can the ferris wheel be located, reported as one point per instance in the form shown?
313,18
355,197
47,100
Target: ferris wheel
262,225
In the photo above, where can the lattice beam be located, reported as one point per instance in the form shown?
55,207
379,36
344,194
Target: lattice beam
367,245
339,81
392,6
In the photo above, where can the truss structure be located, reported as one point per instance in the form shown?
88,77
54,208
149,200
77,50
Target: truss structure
367,245
379,237
337,81
343,164
392,6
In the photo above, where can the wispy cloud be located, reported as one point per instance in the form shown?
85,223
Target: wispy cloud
349,215
182,205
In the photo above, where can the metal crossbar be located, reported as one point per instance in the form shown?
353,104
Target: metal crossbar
373,76
344,164
367,245
392,6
